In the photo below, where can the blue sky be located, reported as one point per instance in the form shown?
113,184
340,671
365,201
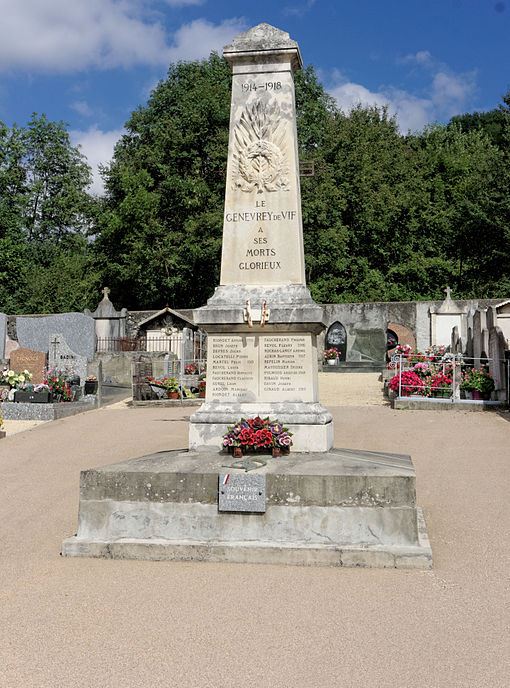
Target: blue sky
91,62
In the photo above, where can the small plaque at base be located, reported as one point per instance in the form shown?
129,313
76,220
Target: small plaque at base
241,492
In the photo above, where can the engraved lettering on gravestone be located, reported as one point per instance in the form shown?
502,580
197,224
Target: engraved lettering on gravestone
259,158
241,492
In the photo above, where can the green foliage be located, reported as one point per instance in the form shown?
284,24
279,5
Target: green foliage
45,212
385,216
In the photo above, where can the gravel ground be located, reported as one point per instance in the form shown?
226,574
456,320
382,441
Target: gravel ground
79,622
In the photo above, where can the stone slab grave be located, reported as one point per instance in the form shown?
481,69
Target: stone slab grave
323,506
61,356
27,359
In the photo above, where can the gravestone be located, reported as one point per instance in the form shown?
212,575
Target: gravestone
404,336
3,334
77,329
61,356
261,322
480,336
110,325
503,320
27,359
336,338
497,346
444,318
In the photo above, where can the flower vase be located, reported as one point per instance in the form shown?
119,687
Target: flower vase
276,452
331,361
476,395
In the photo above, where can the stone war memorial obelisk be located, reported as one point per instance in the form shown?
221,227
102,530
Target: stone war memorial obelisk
262,323
318,505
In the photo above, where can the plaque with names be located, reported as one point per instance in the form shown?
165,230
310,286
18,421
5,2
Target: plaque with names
241,492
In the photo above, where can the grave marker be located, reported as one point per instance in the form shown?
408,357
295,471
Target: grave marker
27,359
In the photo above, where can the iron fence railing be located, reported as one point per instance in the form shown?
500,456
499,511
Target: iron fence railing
444,376
183,347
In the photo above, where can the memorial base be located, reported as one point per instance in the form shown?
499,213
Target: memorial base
305,438
310,423
337,508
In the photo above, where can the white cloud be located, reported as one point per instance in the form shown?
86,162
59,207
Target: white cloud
82,108
198,38
422,57
62,36
449,91
97,146
446,95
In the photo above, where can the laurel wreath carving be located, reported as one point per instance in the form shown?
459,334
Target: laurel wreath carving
259,158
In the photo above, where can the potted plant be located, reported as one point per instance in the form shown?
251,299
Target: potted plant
201,389
330,356
479,382
91,384
165,386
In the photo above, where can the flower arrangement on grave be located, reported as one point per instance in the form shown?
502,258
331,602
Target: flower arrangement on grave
191,369
15,380
403,349
479,380
57,382
422,368
257,435
171,384
441,385
411,383
330,354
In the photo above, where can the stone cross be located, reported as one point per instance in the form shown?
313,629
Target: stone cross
448,293
55,343
106,291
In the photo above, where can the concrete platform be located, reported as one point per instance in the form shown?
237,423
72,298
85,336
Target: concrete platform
337,508
12,410
430,404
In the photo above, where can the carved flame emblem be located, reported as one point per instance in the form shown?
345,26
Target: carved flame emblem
259,158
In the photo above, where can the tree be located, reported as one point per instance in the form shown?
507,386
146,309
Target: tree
44,203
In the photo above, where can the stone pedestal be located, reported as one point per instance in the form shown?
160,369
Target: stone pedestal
338,508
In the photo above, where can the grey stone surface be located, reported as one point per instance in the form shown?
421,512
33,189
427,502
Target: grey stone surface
260,37
61,356
241,492
342,507
3,334
22,411
445,404
77,329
